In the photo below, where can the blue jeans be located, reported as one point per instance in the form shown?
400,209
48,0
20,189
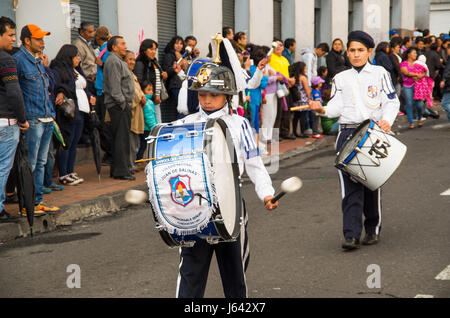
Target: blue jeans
9,139
446,104
408,93
66,157
38,138
49,166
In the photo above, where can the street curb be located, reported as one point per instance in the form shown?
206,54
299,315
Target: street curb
108,204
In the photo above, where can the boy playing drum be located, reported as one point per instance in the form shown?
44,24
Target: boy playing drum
363,92
216,86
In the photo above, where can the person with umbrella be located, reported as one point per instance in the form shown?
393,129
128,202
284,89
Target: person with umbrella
12,110
70,83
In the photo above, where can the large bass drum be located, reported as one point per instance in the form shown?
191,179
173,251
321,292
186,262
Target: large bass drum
370,156
194,184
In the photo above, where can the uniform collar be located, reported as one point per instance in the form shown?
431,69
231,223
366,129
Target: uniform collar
367,68
219,113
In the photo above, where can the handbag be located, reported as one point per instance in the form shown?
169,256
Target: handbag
68,107
163,94
295,94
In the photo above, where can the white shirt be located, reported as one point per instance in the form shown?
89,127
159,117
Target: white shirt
247,151
83,102
368,94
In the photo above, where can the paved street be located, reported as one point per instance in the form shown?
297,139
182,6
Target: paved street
295,250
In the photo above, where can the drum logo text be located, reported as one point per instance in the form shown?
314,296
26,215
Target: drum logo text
379,148
372,91
181,190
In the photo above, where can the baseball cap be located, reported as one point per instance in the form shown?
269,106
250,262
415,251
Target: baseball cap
32,31
316,80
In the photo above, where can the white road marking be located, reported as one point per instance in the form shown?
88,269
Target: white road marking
440,126
424,296
444,275
447,192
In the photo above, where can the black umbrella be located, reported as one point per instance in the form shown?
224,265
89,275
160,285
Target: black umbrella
94,135
25,181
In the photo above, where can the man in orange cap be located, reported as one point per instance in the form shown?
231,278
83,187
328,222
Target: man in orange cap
39,109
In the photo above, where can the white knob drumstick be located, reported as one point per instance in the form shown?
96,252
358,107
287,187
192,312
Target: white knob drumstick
136,196
187,51
274,45
290,185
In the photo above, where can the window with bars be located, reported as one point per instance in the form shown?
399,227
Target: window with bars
83,11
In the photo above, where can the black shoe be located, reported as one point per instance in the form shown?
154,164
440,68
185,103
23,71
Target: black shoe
291,137
5,217
370,239
129,178
350,244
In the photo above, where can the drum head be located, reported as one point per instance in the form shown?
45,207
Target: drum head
222,156
349,146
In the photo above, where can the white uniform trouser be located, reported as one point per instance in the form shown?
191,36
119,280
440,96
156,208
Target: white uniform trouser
158,113
269,112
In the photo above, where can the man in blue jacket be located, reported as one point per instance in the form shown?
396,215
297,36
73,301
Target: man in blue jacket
39,111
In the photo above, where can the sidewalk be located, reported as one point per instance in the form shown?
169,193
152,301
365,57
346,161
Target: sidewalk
95,198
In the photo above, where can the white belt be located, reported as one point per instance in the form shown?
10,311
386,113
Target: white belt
4,122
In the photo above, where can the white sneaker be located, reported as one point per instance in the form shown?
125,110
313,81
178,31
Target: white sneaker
68,180
75,176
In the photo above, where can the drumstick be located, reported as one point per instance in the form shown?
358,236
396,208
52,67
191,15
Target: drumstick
187,51
164,157
290,185
274,45
302,107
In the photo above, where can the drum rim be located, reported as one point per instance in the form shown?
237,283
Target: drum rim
220,227
166,237
339,160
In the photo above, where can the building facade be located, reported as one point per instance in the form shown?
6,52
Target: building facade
308,21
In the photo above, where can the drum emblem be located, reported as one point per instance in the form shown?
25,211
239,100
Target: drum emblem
181,190
372,91
204,75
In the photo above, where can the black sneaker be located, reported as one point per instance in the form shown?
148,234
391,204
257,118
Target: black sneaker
370,239
5,217
350,244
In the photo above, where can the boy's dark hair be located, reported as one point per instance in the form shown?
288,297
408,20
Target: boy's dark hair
324,47
84,25
190,38
420,39
426,32
321,70
113,41
146,83
406,39
4,22
289,42
226,30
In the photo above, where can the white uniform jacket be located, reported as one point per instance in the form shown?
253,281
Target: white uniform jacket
368,94
246,148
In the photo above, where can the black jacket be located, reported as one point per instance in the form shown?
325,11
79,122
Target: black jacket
145,70
11,99
433,62
335,63
446,77
173,81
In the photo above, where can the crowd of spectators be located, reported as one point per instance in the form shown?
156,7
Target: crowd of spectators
131,92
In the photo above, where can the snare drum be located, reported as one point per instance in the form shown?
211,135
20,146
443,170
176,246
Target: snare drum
370,156
194,186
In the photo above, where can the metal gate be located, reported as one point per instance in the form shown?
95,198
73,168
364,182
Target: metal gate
167,24
277,19
228,13
83,11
